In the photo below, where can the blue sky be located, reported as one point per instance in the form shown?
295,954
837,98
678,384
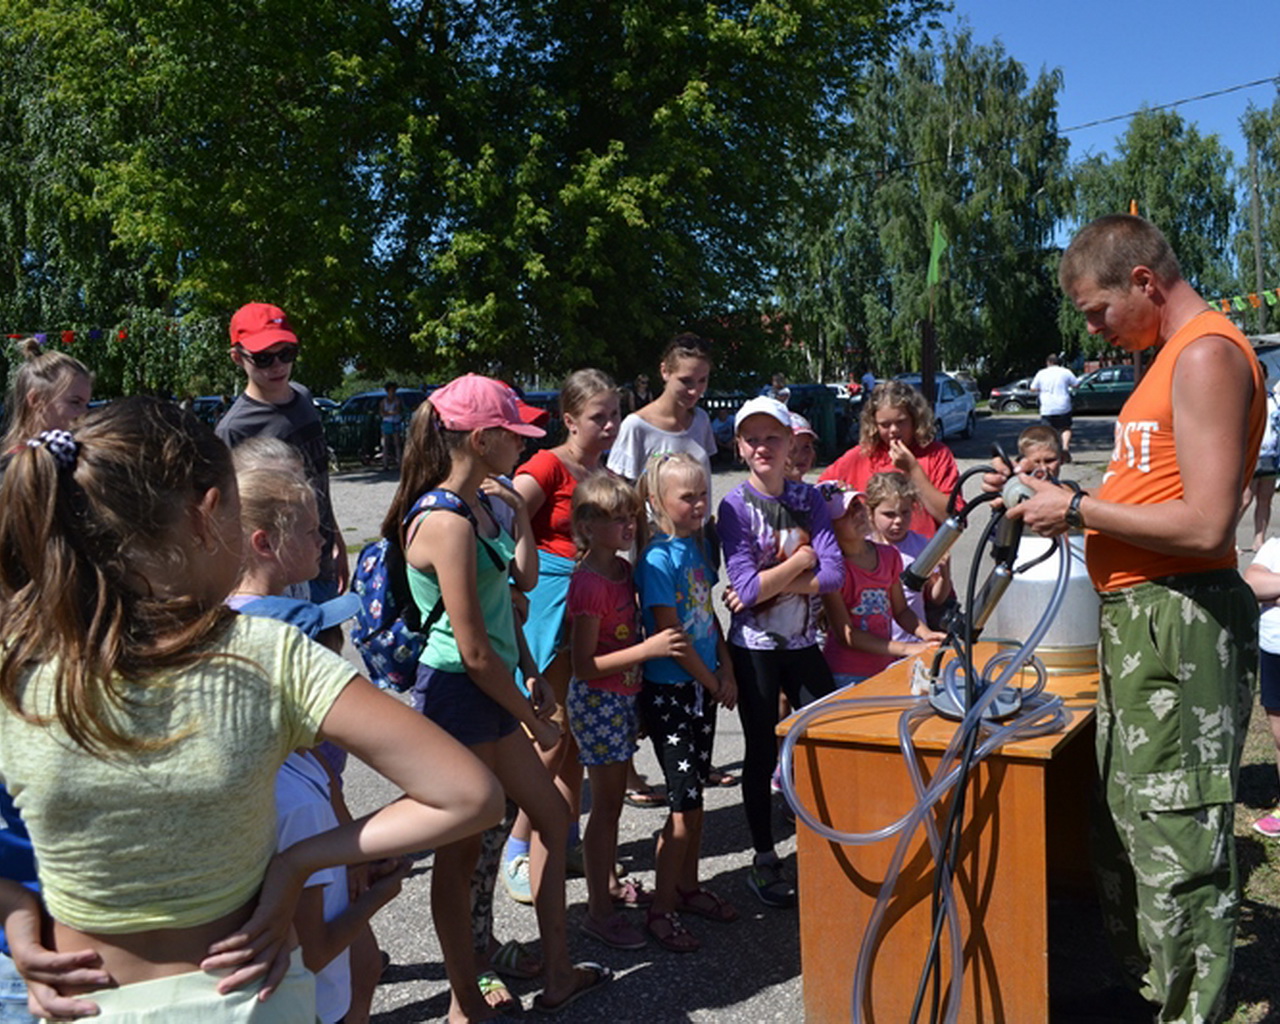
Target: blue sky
1118,55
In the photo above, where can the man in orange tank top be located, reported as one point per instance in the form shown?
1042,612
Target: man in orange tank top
1178,645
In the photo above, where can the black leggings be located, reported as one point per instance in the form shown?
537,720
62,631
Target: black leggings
803,675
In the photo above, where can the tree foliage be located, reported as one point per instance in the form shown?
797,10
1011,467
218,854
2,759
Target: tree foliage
1261,129
517,185
953,133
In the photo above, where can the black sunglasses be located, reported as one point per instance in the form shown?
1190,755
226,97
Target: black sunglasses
264,359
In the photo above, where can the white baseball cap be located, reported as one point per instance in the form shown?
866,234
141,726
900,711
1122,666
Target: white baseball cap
762,405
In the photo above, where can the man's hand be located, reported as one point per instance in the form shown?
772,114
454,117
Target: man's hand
1045,511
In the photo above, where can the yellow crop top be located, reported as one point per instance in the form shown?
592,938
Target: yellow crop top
180,836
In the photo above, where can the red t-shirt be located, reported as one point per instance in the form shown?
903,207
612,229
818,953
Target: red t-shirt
865,592
552,523
855,468
613,602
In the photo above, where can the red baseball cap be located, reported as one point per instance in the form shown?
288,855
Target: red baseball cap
531,413
473,402
259,325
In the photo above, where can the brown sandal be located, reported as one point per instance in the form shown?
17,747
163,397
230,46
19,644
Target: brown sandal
670,933
705,903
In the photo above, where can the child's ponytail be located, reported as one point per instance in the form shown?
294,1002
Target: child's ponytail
85,521
428,456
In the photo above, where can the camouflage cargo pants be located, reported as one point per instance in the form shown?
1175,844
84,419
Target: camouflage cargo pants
1179,661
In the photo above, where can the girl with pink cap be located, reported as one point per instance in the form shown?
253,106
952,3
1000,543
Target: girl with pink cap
467,431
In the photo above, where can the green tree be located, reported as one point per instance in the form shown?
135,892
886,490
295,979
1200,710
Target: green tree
952,133
520,186
625,168
176,158
1261,129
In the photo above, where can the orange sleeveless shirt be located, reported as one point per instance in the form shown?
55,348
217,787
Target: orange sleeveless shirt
1144,463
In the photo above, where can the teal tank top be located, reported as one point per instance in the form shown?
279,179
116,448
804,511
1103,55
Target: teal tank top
441,651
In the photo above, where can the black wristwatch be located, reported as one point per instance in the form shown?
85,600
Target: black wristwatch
1072,517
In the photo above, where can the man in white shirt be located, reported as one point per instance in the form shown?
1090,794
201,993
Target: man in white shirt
1053,384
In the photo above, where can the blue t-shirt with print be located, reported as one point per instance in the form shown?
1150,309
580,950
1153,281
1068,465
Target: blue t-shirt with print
675,572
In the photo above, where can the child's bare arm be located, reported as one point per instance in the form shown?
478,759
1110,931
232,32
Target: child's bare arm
1264,583
728,692
589,664
323,940
938,588
42,969
524,565
909,620
665,617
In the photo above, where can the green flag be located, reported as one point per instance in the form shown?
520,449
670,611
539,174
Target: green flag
935,253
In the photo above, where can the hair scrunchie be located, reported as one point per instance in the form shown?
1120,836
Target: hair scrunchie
62,446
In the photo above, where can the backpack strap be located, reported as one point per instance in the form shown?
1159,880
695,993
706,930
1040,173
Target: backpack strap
438,498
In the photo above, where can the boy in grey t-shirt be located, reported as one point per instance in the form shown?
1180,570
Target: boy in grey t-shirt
264,345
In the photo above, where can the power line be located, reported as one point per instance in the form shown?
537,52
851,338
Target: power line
926,161
1170,106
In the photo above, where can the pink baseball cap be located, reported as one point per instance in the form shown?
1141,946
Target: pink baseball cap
800,425
259,325
840,497
473,402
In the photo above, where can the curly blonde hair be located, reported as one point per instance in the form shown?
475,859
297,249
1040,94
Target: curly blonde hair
895,394
882,487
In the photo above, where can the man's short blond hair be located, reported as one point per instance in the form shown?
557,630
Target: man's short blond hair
1108,249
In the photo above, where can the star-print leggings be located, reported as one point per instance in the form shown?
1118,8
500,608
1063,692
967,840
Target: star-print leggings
1179,657
681,722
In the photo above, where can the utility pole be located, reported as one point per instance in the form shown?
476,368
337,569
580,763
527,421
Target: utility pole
1255,217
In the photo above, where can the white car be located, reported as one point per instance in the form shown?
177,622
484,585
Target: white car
955,408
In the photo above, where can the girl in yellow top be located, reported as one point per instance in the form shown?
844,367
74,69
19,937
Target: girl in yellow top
143,723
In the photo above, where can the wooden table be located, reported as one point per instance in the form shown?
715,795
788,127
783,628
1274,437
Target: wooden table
1025,826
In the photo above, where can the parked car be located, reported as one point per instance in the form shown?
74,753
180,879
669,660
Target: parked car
1104,390
953,407
1014,396
210,408
556,433
354,430
1269,356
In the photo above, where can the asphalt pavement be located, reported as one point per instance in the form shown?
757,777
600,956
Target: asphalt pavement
749,971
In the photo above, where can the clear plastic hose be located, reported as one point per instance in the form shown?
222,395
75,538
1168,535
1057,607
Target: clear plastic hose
1039,715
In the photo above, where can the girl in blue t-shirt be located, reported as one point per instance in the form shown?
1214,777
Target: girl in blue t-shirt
467,431
679,696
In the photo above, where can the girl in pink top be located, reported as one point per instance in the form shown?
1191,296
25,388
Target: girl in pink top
607,655
860,615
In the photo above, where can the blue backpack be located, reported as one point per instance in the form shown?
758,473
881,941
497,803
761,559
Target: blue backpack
389,631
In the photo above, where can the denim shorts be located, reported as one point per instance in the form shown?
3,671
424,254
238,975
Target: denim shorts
460,708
